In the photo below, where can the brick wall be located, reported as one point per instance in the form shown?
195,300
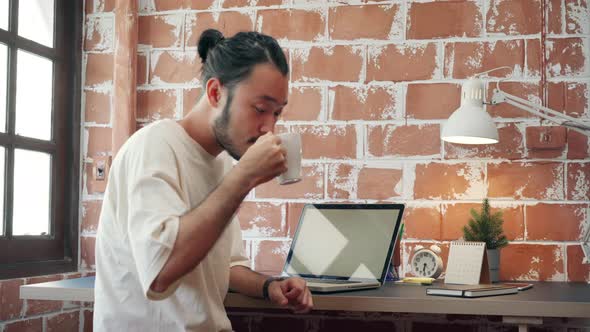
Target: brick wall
371,84
18,315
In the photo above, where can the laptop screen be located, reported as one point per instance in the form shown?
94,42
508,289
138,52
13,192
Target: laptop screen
344,241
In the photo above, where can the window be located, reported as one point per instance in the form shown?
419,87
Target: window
40,46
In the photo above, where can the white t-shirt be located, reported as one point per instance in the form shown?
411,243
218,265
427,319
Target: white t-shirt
158,175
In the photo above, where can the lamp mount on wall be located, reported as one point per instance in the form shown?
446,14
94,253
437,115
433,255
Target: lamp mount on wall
471,124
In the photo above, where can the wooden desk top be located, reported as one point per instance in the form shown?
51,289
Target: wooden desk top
545,299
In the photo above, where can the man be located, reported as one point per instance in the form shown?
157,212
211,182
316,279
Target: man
168,246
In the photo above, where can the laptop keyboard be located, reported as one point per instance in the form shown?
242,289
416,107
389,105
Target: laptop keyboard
331,281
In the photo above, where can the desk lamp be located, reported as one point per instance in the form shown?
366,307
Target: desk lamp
471,124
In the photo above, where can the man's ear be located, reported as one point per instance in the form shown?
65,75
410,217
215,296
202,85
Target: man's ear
214,91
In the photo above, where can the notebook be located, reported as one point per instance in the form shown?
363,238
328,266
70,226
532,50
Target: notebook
339,247
472,290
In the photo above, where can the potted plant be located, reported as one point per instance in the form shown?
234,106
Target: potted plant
487,227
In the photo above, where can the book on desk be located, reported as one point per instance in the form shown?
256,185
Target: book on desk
472,290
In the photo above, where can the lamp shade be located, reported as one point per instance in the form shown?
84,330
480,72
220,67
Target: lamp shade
470,123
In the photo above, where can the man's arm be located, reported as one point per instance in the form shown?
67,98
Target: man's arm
200,228
292,292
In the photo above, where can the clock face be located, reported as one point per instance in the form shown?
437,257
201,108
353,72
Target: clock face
424,264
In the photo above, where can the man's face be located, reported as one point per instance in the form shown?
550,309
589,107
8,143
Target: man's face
251,109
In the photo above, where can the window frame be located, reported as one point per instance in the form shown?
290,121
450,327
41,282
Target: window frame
22,256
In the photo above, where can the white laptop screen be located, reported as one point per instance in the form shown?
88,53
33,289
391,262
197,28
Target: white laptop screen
344,242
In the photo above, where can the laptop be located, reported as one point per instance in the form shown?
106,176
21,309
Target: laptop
342,247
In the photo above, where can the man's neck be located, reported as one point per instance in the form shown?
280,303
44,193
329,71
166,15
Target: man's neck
198,125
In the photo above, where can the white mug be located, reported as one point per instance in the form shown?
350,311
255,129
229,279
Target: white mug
292,143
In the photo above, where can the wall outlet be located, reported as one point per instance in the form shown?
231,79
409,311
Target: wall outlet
101,167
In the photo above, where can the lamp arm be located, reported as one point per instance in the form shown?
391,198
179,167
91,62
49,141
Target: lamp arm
541,111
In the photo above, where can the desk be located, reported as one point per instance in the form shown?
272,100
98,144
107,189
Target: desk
545,299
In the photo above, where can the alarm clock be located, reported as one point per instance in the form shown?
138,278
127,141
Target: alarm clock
427,262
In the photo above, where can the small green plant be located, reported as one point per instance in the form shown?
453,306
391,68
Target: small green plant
485,227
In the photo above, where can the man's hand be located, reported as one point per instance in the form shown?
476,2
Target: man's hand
292,292
264,160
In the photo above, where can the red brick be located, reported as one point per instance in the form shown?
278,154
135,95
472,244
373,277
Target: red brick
293,213
87,251
524,18
455,216
65,322
525,90
99,6
292,24
510,146
310,187
175,67
541,180
99,69
576,271
74,275
235,3
164,5
401,62
576,17
190,98
362,103
554,17
449,181
465,59
37,307
545,137
408,140
156,104
565,57
371,22
337,63
422,222
29,325
554,222
99,141
160,30
97,107
90,216
536,262
379,183
305,104
10,303
533,57
443,20
578,145
228,22
269,256
88,315
99,33
261,219
578,181
432,101
142,69
342,181
328,141
248,3
570,98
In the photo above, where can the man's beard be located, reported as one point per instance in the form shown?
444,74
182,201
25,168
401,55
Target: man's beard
221,129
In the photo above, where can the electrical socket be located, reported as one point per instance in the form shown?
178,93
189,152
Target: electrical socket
101,167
